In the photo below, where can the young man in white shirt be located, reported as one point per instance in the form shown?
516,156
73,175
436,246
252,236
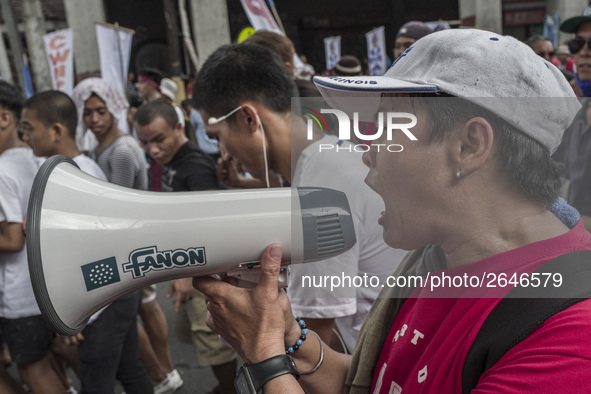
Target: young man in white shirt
244,93
48,122
22,326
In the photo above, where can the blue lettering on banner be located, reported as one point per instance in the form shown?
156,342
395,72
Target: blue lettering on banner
148,259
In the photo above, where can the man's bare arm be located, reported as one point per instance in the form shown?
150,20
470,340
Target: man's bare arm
12,239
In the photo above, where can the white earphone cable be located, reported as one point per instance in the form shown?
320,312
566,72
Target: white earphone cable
264,153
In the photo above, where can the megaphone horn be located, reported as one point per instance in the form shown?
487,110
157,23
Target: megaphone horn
90,242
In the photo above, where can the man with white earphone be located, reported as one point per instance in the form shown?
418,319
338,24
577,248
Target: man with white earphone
244,93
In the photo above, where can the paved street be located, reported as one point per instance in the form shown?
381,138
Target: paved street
197,379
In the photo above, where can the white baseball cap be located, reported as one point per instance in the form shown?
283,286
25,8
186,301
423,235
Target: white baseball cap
168,88
493,71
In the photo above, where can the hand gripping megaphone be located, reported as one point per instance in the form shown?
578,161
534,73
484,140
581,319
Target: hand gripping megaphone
90,242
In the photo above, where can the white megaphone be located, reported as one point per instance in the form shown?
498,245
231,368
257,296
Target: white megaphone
90,242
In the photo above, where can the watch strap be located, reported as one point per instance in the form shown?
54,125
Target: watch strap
271,368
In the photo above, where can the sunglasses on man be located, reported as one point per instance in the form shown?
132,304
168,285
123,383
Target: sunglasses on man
576,44
544,54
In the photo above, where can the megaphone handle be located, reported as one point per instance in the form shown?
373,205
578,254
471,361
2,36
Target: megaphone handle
250,277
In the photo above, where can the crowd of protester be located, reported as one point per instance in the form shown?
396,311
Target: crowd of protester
476,195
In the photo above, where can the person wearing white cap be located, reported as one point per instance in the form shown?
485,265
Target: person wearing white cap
565,61
475,195
168,88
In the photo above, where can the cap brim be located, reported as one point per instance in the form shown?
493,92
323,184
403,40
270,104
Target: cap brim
571,25
359,85
339,92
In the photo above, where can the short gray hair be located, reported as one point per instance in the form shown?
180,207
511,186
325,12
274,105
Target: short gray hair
527,163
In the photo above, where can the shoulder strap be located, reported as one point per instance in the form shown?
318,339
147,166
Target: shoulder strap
524,309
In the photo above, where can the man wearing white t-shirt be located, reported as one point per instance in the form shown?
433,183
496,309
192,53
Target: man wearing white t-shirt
248,90
23,328
47,121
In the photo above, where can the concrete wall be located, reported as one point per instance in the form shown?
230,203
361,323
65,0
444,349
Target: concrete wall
34,24
81,15
488,14
209,19
567,9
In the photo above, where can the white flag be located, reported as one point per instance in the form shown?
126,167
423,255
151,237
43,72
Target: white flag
59,47
332,50
376,51
259,16
114,46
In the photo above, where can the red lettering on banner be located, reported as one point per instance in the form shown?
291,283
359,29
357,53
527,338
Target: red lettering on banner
258,7
59,71
60,57
54,45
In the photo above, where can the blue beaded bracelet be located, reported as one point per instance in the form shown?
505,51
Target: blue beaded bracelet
300,341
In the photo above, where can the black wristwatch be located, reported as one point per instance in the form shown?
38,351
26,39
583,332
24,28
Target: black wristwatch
252,377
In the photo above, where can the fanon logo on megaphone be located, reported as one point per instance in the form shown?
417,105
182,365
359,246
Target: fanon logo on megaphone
105,272
345,129
150,259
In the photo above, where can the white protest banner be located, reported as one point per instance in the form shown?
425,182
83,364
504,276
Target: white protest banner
376,51
332,51
259,16
59,47
114,44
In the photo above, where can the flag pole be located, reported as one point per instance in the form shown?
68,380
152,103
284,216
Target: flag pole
276,15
